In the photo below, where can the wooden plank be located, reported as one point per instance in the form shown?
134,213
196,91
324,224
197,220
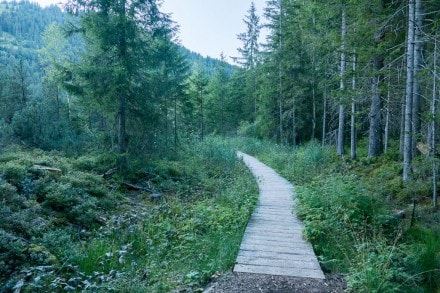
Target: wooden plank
279,262
280,271
278,255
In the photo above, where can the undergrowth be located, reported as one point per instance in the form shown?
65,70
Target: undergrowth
169,224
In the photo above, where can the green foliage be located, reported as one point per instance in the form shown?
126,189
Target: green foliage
34,202
336,206
424,256
180,242
73,231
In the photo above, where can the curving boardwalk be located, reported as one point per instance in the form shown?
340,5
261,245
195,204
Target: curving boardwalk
272,243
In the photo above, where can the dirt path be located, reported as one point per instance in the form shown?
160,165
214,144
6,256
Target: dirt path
250,283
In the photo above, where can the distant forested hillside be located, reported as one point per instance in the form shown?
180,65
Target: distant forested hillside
23,24
208,63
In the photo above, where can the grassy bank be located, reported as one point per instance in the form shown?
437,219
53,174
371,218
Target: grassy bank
168,224
357,215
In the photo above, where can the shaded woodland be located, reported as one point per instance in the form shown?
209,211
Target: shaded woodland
105,119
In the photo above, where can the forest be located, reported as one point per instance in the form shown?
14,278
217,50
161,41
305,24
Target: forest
118,169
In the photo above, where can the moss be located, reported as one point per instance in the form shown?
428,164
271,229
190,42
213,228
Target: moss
41,255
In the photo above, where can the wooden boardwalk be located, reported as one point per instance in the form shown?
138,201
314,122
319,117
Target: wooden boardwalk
273,243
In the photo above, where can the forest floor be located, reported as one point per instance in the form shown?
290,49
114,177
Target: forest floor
244,282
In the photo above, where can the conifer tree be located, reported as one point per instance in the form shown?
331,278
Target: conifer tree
124,44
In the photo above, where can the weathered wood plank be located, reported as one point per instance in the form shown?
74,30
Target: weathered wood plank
281,271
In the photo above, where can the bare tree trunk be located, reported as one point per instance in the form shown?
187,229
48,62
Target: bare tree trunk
340,141
387,116
175,122
375,138
222,123
121,130
324,117
432,128
123,96
402,129
313,111
407,154
418,46
293,123
375,146
402,118
69,110
353,113
202,118
280,76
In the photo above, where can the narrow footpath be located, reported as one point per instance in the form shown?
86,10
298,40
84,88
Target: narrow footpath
273,256
272,243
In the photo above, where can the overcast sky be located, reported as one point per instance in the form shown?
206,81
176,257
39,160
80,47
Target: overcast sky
208,27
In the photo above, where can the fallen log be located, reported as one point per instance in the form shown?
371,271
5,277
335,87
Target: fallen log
135,187
109,173
47,169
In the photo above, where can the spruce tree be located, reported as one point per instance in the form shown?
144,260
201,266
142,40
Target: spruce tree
124,42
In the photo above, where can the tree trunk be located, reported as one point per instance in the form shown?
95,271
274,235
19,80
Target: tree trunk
402,114
418,45
123,94
324,117
313,112
387,116
402,128
432,128
222,122
175,122
293,123
121,131
280,76
353,114
375,146
407,143
202,122
340,142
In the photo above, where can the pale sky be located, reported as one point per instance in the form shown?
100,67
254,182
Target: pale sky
208,27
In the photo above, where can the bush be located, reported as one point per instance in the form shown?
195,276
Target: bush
14,172
12,254
7,190
338,207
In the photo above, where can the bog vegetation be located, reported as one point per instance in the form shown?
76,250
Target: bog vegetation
117,164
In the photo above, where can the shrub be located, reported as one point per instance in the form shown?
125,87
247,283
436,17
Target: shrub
12,254
7,190
14,172
335,211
